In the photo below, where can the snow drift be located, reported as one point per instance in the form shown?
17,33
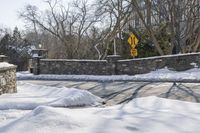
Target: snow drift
141,115
30,96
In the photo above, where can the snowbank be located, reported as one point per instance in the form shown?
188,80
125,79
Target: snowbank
142,115
7,116
165,74
30,96
192,75
5,64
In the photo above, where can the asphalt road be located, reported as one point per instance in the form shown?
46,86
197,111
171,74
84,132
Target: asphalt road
119,92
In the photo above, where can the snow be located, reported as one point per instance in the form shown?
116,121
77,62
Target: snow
30,96
42,109
159,57
165,74
141,115
5,64
35,55
192,75
7,116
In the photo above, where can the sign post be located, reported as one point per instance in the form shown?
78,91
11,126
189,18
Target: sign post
133,41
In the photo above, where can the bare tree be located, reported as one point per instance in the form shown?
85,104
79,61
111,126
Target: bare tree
83,27
137,8
69,25
182,17
116,13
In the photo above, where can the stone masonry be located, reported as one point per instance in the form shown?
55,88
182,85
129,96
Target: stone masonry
63,66
114,65
179,62
7,78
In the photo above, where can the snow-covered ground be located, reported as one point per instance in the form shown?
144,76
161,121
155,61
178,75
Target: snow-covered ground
30,96
141,115
192,75
44,109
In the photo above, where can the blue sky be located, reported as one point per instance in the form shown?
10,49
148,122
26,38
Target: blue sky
9,9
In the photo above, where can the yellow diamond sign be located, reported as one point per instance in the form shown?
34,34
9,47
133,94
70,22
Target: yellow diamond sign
134,52
133,40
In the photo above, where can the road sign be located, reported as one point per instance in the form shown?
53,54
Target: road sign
133,40
134,52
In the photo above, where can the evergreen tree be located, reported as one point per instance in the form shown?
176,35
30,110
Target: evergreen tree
5,43
16,48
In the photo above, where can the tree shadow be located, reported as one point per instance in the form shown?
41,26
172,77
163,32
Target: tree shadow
135,93
181,92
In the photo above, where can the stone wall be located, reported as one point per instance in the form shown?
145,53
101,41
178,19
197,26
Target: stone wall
7,78
179,62
63,66
113,65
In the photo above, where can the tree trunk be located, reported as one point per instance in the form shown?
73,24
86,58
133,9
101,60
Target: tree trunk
149,28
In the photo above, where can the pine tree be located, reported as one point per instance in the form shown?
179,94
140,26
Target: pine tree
5,43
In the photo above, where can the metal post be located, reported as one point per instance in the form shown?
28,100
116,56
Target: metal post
115,50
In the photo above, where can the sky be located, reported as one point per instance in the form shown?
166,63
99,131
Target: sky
9,11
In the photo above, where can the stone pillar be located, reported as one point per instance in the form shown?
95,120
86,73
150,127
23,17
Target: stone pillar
7,78
112,60
3,58
36,65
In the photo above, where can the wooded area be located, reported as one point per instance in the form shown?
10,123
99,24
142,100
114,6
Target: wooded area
87,30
